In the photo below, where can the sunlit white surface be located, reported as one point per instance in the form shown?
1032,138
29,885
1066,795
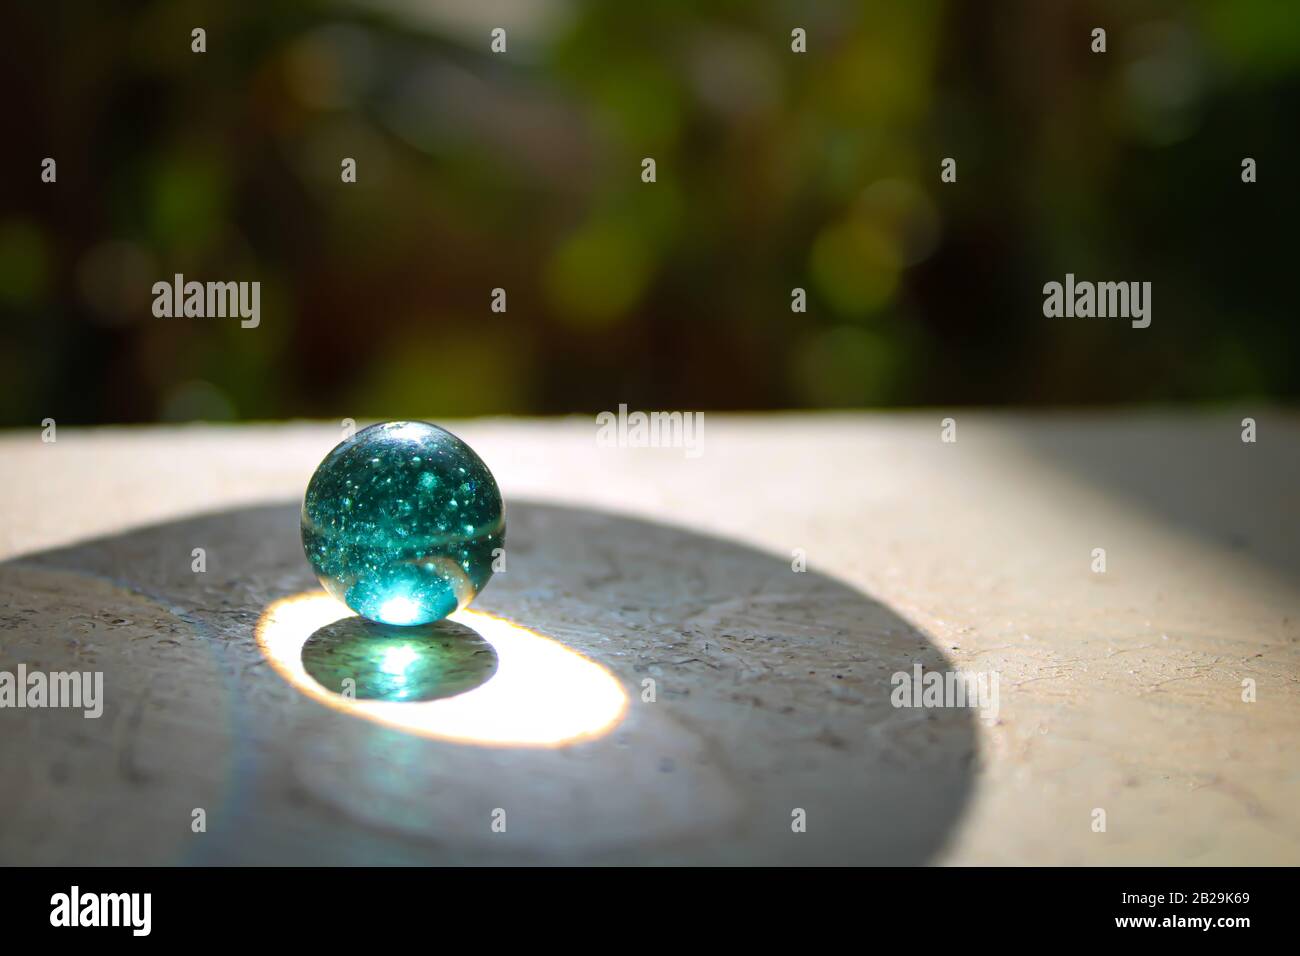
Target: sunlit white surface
542,694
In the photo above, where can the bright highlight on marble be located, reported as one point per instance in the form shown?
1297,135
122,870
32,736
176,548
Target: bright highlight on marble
402,523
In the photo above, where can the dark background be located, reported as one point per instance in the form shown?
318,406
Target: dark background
522,171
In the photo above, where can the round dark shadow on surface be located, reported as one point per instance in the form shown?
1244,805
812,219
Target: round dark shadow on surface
384,662
775,694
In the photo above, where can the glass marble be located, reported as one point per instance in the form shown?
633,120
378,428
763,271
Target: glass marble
400,523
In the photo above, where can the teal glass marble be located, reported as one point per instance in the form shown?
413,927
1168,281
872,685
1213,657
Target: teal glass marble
400,523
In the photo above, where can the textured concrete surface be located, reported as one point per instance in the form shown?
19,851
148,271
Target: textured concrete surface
1119,691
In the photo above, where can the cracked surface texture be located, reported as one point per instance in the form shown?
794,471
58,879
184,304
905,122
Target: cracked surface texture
1120,690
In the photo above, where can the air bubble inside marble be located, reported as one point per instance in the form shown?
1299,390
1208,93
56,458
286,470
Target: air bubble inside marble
402,522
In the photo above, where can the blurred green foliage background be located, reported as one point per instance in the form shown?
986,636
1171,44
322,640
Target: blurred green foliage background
522,171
